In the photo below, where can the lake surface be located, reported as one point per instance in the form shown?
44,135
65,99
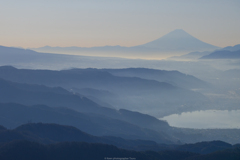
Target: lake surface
205,119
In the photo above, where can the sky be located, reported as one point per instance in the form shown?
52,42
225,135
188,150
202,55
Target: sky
88,23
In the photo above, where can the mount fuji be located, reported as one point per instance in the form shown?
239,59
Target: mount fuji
175,43
179,40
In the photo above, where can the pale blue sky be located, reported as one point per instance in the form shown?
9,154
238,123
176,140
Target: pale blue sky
36,23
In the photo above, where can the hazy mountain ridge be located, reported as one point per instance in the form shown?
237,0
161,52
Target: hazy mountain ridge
30,94
13,50
130,125
67,78
11,55
230,52
132,93
175,42
10,92
190,56
33,59
232,48
36,94
53,133
13,115
106,121
223,55
175,78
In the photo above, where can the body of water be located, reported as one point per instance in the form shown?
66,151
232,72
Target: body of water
205,119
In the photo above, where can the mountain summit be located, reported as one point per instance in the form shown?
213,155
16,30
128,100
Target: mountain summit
175,43
179,40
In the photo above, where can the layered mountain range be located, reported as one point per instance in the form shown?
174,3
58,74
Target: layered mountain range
135,93
71,97
57,113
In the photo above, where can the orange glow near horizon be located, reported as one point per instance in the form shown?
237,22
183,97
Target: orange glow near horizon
33,24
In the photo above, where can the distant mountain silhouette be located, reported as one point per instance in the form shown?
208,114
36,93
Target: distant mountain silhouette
13,50
175,42
33,59
190,56
223,54
232,48
230,52
11,54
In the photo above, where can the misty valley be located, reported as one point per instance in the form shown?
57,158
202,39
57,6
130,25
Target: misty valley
62,106
218,119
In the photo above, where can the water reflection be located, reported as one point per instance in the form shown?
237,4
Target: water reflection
205,119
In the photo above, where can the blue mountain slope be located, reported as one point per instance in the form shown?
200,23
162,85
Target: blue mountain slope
223,54
179,40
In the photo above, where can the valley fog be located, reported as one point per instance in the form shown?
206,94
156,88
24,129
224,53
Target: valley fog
119,80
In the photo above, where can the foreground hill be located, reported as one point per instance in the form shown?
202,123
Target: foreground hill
124,125
53,133
77,150
230,154
32,94
205,147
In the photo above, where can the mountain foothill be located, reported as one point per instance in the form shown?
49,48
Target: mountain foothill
47,96
106,113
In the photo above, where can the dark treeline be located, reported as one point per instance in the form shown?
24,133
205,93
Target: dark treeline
54,133
79,150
